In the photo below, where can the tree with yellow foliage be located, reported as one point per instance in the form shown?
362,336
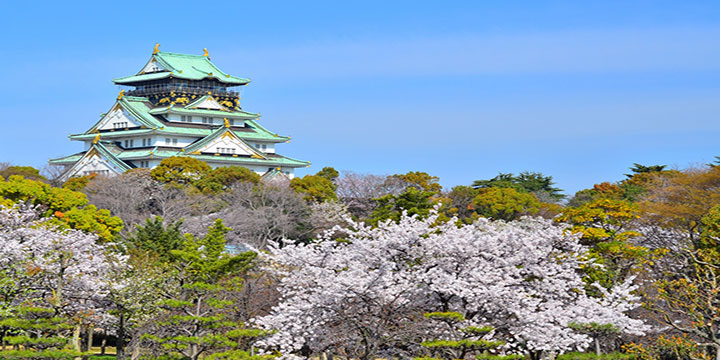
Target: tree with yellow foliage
67,208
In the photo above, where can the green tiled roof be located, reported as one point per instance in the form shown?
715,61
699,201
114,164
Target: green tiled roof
67,159
219,132
183,111
141,109
183,66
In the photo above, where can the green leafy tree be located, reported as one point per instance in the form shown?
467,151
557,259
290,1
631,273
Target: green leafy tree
198,320
315,188
420,180
507,204
66,207
78,183
93,220
328,173
27,172
155,238
180,170
532,182
414,201
605,226
222,178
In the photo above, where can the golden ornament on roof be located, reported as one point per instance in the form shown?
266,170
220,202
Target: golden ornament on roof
121,94
96,139
206,53
155,51
227,123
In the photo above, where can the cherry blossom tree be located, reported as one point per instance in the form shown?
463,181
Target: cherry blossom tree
61,269
365,294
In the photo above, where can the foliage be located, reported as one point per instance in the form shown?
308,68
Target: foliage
37,333
198,319
458,341
412,201
67,208
536,183
681,200
93,220
328,173
78,183
315,188
419,180
500,203
669,347
18,189
222,179
601,220
689,303
156,238
592,356
27,172
643,169
180,170
461,198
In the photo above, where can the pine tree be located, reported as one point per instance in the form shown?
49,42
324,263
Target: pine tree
37,333
461,340
198,320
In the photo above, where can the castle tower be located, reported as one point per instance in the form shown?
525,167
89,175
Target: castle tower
178,105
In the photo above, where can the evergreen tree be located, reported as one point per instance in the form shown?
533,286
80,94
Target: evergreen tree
37,333
529,182
198,320
461,340
155,238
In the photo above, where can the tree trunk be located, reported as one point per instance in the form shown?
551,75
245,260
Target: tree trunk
103,343
120,342
90,333
135,344
76,338
597,347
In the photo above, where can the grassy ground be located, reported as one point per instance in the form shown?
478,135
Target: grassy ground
109,353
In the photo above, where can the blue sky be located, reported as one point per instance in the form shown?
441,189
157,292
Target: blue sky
461,90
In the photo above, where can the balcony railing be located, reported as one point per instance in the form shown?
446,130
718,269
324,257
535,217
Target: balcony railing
157,89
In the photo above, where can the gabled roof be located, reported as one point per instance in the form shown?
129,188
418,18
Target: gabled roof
207,102
141,109
136,107
181,66
105,151
274,175
197,147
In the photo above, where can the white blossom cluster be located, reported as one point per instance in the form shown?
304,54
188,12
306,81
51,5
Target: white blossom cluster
369,289
63,266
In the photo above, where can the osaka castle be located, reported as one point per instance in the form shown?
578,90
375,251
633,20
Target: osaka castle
178,105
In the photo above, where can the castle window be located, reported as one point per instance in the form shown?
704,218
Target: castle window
221,150
207,120
120,125
128,143
186,118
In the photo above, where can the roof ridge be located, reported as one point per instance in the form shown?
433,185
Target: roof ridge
179,54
